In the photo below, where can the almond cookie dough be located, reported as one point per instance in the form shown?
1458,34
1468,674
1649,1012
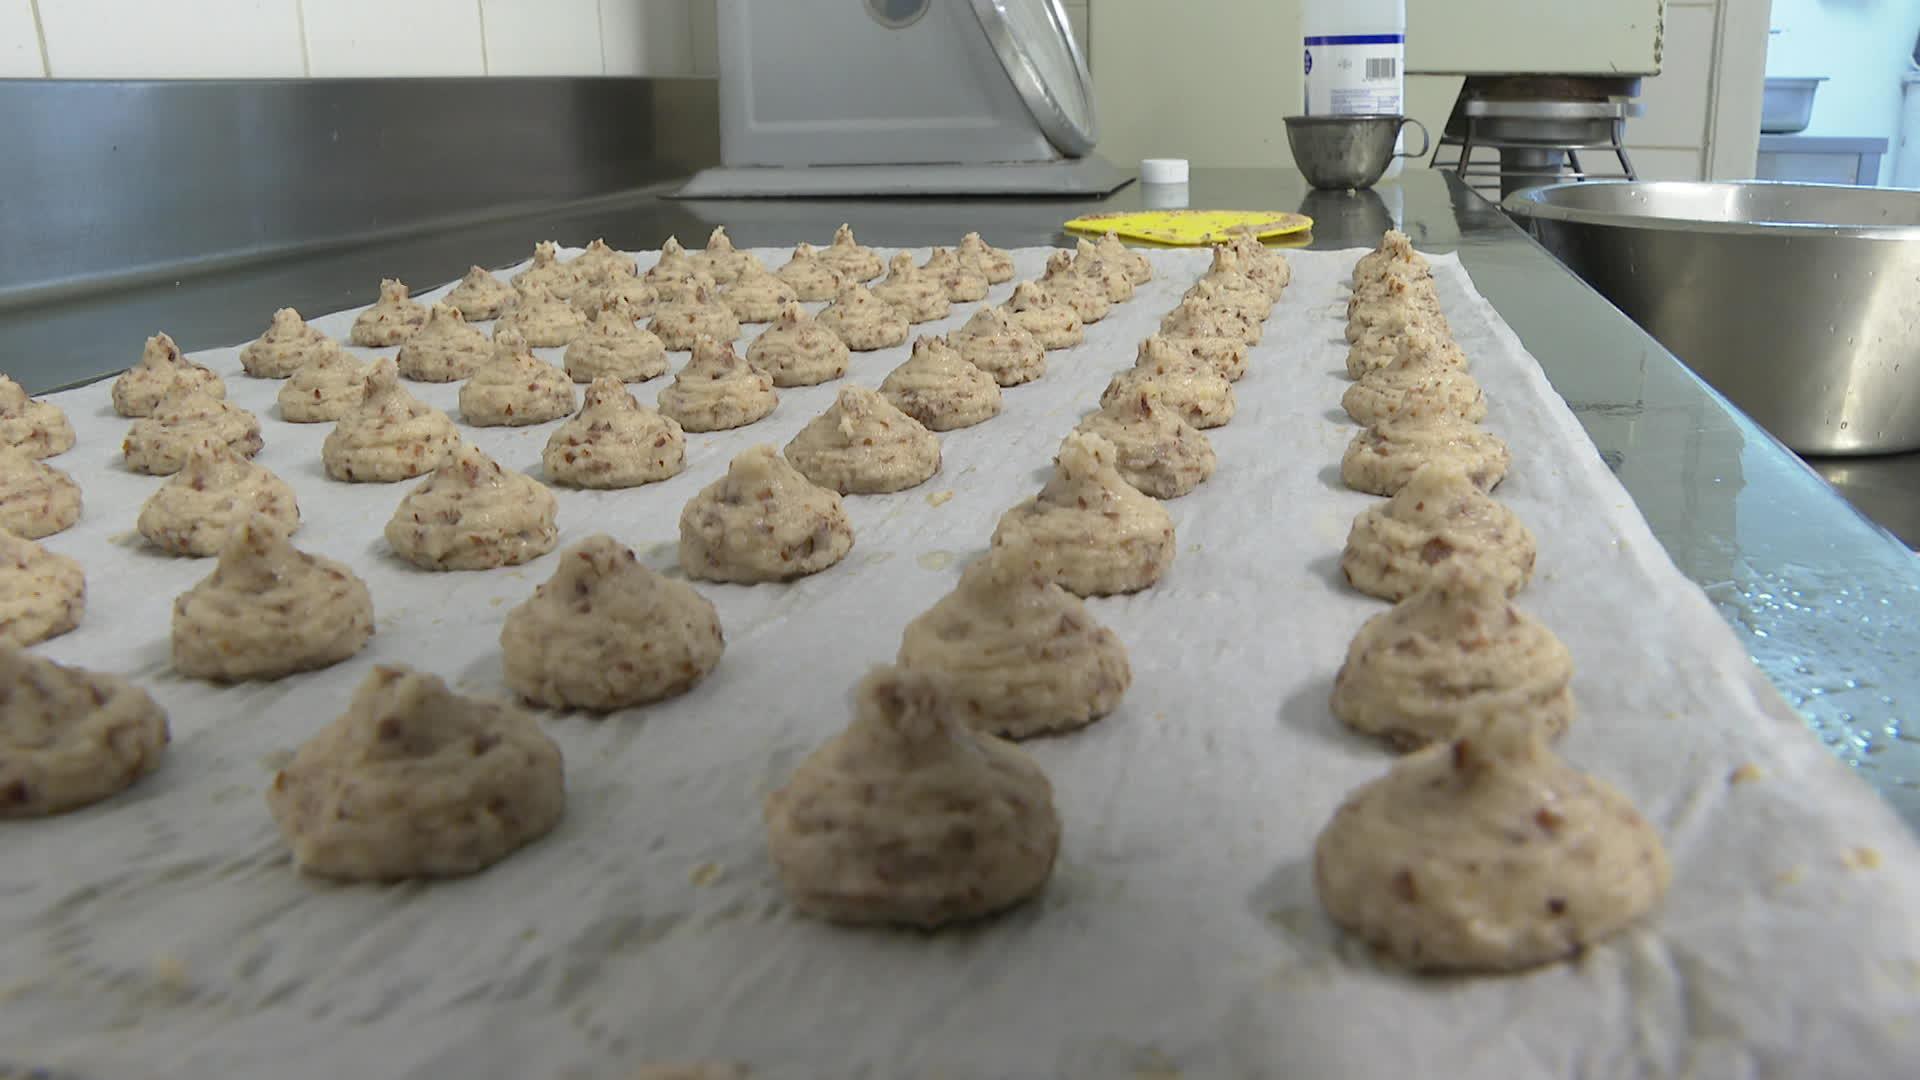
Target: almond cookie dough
1396,303
548,275
1268,267
515,388
445,349
854,261
1087,298
389,436
325,389
1155,450
1232,291
909,817
690,310
1226,355
614,442
42,594
1418,341
937,387
415,781
1381,459
269,610
1020,655
70,738
1200,315
763,521
994,343
1395,254
288,344
1053,324
615,345
480,296
1089,529
1139,269
724,263
1490,854
639,297
198,507
675,267
607,633
541,318
996,264
963,282
717,391
391,320
862,445
756,296
36,499
600,264
913,292
1113,279
158,443
161,370
1453,651
471,514
38,429
1438,523
1188,385
809,276
1413,387
798,351
864,321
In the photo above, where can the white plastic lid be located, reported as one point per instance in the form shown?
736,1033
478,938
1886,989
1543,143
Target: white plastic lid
1163,170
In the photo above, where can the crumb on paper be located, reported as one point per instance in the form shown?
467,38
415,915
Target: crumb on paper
940,498
1861,858
1745,774
168,970
705,874
496,601
1790,876
276,759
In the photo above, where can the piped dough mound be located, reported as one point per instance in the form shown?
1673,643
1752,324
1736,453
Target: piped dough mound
637,295
162,370
797,351
1089,529
851,259
763,521
472,514
36,499
937,387
391,320
1229,274
1086,297
1113,279
690,310
1020,655
547,274
1266,266
1487,854
415,781
1395,301
480,296
1155,449
1200,314
1413,386
913,292
269,610
1183,382
1421,672
1438,524
674,267
70,738
991,261
1231,291
756,296
515,388
38,429
325,389
962,282
1394,255
286,346
723,262
863,445
389,436
1226,355
993,342
42,594
607,633
614,442
1138,267
616,346
1381,459
446,349
600,263
717,390
158,443
908,817
540,318
1418,342
810,277
1055,325
864,321
194,512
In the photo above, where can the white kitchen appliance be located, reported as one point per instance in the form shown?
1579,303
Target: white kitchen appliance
902,97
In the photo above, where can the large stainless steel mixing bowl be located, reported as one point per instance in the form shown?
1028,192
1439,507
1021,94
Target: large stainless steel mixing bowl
1799,302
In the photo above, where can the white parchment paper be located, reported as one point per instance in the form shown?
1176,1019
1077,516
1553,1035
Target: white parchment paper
164,934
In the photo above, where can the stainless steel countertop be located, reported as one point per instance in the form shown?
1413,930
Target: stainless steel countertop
1827,602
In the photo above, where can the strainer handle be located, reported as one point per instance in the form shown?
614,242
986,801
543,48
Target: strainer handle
1426,140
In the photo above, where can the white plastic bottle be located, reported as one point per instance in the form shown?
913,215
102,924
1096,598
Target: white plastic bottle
1356,59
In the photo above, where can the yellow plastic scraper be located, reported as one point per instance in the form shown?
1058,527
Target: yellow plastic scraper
1187,228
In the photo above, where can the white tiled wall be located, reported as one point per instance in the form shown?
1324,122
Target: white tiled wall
174,39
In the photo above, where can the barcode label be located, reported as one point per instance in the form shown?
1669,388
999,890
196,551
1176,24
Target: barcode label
1381,67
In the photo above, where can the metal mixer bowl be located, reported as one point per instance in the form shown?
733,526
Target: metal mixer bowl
1799,302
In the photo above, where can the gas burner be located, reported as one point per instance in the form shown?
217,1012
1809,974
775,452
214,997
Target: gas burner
1539,125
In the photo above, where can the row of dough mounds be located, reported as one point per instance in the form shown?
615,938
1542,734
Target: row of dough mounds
1481,850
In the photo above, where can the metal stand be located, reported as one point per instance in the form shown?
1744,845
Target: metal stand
1539,141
